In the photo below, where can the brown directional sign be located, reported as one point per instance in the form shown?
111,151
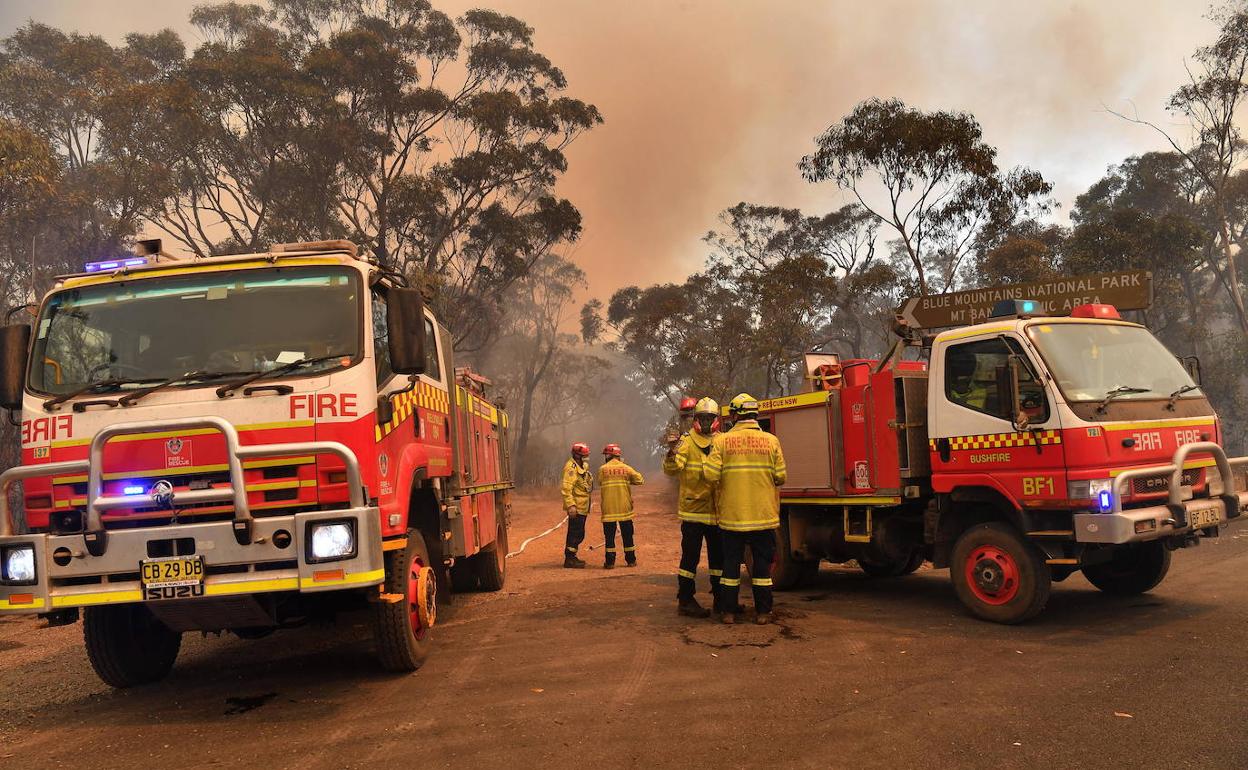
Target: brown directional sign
1125,290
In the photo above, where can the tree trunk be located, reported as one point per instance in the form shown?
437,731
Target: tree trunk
1232,274
526,428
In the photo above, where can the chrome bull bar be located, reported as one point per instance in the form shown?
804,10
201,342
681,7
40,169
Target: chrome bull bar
1118,525
94,534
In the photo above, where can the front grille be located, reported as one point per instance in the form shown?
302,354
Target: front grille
275,488
1151,485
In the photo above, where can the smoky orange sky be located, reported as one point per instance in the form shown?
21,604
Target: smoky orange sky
711,102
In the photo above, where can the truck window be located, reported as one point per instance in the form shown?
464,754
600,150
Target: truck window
977,377
432,368
381,340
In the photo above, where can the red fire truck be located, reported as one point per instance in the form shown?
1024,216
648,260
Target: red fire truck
1016,452
242,443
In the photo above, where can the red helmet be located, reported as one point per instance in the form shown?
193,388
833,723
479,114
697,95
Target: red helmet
688,404
580,450
611,450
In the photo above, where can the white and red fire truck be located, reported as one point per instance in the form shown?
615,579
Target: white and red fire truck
242,443
1016,452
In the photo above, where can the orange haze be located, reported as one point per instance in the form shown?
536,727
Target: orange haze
709,102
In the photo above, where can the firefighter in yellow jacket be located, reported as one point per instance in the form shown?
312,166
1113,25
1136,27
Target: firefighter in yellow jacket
616,479
578,482
747,466
696,510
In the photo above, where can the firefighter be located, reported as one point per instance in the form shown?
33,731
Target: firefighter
685,421
578,482
747,466
615,479
963,385
696,510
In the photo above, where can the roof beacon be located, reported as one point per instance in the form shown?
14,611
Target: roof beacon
1019,308
114,264
1095,311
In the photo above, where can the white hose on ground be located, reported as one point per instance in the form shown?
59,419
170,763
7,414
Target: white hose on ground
520,550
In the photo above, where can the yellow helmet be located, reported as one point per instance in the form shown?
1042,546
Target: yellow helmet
707,406
743,403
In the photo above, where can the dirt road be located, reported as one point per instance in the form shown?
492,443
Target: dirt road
595,668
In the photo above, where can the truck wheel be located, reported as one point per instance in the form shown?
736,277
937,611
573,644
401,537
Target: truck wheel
787,572
402,629
491,563
1133,570
998,574
127,645
892,568
464,575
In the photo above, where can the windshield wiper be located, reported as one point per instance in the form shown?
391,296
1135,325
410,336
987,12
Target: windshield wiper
115,382
130,398
1175,395
230,387
1121,390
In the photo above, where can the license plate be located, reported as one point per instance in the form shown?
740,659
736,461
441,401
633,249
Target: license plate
178,577
1199,518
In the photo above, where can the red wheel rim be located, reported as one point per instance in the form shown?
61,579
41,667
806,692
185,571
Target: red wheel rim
992,574
419,591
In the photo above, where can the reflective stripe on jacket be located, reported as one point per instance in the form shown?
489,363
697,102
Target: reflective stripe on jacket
615,478
747,466
578,481
697,496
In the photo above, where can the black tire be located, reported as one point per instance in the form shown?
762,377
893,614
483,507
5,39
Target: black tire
1133,570
491,563
400,631
893,568
464,575
999,575
127,645
787,572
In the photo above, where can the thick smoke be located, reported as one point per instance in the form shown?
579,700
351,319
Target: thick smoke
710,102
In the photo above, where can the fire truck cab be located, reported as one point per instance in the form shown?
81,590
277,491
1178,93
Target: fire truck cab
1017,452
243,443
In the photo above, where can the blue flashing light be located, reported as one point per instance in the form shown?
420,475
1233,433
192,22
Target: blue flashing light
1029,306
114,264
1105,500
132,490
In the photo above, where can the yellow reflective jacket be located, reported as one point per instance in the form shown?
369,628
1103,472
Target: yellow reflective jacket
578,481
697,496
614,478
747,466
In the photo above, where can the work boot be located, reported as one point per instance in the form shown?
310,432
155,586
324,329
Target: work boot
690,608
608,565
630,562
763,618
570,561
727,619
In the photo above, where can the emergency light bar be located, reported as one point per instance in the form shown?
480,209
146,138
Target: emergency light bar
114,264
1014,307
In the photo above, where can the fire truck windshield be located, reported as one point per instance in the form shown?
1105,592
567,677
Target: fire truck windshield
1091,361
143,331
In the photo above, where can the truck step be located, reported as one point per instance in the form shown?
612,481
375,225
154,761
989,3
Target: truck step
1064,533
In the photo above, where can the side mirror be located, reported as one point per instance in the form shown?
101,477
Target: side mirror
405,328
1019,418
14,348
1192,365
385,409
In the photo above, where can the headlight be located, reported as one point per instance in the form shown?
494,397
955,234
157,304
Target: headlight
1089,489
19,565
331,540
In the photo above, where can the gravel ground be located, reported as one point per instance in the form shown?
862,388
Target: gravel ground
595,667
